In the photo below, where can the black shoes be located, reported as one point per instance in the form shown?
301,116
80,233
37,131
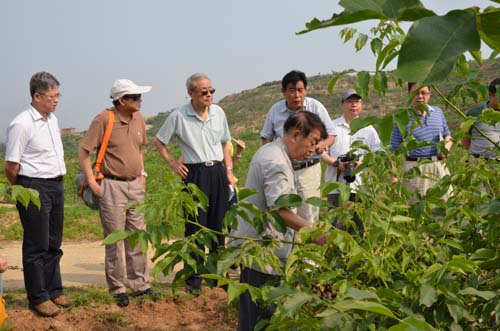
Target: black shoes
149,292
193,284
122,299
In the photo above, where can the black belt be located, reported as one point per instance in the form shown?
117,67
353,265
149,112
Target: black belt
123,179
479,156
432,158
297,165
54,179
203,164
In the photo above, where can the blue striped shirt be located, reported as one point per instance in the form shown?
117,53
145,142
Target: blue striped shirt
433,128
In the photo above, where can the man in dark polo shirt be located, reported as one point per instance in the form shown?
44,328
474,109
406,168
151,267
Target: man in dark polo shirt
123,183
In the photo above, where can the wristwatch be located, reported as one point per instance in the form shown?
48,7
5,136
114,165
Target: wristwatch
144,173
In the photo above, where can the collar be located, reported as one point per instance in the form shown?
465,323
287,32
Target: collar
343,122
124,118
35,114
285,109
191,112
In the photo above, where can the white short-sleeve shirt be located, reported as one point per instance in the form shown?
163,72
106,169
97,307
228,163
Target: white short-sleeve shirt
342,145
35,143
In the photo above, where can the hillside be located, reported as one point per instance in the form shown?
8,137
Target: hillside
246,111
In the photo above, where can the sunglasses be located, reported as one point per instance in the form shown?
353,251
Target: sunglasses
135,97
205,92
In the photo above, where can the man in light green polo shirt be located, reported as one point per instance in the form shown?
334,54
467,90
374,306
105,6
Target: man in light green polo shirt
203,133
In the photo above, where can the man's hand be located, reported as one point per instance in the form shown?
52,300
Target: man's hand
95,187
321,240
3,264
321,147
179,168
230,178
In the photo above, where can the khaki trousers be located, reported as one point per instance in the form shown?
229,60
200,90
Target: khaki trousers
307,182
430,173
115,195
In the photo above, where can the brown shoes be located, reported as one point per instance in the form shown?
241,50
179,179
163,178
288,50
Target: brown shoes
45,309
63,301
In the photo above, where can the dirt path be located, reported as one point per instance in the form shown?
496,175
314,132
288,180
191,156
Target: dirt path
82,264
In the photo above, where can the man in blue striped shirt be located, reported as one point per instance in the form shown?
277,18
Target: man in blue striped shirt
430,127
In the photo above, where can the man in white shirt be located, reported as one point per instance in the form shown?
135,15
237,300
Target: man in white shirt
337,156
34,158
307,172
477,145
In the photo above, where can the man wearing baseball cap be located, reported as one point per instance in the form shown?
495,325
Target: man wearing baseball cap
341,160
123,183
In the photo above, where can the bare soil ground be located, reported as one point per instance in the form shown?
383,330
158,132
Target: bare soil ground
205,312
83,265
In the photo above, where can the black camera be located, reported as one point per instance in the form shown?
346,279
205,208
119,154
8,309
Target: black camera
349,167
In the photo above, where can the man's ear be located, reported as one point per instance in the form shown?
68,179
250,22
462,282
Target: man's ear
295,135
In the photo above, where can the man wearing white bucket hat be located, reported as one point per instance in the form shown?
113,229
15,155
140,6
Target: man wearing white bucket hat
123,183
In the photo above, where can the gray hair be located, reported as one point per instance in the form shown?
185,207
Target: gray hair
41,82
193,78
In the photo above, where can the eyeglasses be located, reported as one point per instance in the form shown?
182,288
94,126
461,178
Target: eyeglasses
205,92
135,97
55,96
353,101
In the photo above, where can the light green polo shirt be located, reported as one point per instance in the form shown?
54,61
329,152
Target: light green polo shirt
199,141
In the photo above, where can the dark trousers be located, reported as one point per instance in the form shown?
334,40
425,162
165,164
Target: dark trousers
214,183
334,200
250,312
42,237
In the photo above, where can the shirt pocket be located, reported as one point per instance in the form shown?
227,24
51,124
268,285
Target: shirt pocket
214,136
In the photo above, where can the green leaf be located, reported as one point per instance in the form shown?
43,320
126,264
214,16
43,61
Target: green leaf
490,116
486,295
455,309
388,9
453,243
116,236
385,129
317,201
373,307
412,324
401,219
356,294
487,24
428,295
288,200
433,45
401,118
361,41
361,83
477,55
389,48
376,45
335,78
460,264
359,123
293,303
244,193
483,254
380,82
362,10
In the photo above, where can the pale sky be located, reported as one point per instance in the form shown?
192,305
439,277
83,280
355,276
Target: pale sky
89,44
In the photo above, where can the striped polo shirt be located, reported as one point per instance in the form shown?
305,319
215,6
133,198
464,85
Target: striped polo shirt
433,128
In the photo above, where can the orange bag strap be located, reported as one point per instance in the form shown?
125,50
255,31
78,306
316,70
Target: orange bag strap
104,144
